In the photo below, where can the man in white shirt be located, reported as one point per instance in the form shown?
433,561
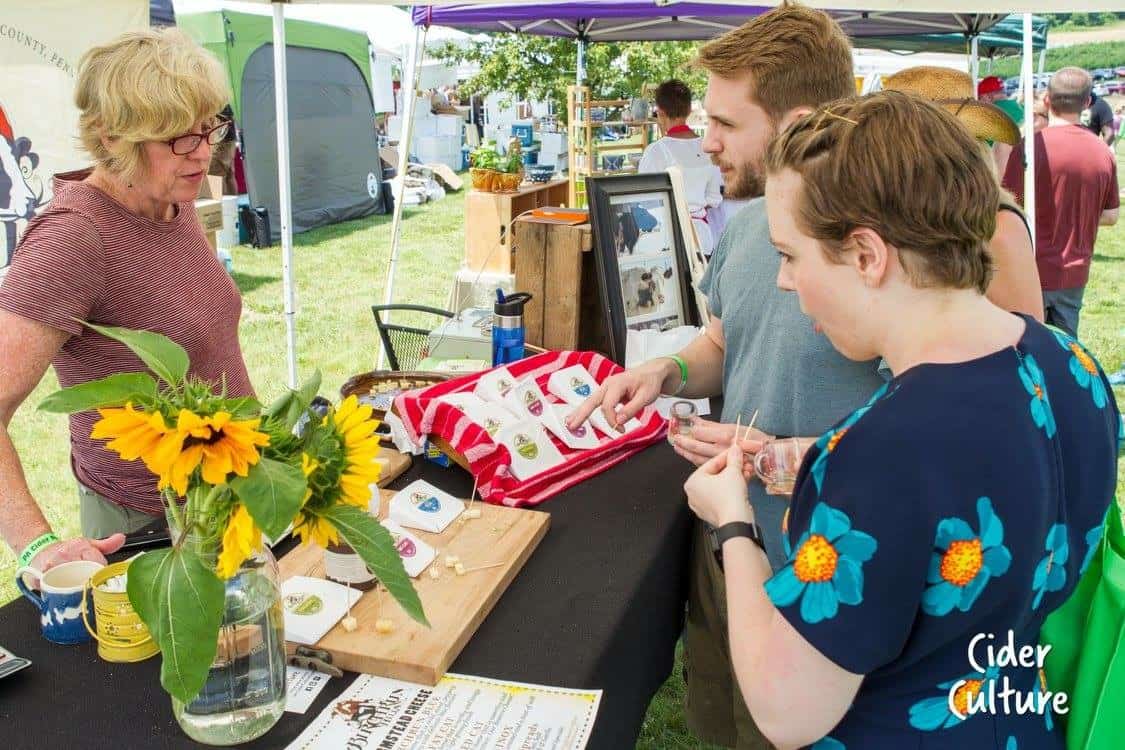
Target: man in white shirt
681,147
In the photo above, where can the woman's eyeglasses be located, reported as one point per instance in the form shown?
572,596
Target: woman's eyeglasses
184,144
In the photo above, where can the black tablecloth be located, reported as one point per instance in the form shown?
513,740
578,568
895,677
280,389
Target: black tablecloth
599,605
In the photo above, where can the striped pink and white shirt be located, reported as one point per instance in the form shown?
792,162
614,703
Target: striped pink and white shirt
89,258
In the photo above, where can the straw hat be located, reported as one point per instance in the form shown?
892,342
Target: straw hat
985,121
931,82
953,90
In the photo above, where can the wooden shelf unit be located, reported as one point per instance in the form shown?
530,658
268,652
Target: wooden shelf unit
584,146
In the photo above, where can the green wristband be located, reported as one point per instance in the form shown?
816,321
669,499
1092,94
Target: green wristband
683,374
36,546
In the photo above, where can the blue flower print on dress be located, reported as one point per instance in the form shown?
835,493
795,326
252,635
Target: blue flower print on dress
826,567
1084,368
1050,573
934,713
1093,540
1032,378
828,743
827,442
1012,745
963,561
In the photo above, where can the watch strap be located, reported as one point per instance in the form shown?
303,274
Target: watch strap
734,529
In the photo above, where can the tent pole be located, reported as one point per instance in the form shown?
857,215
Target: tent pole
1028,125
580,77
1042,59
409,97
974,61
285,201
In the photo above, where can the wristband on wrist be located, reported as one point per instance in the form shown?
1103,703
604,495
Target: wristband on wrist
683,374
37,545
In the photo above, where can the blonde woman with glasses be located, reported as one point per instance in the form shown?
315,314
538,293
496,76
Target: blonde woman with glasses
120,245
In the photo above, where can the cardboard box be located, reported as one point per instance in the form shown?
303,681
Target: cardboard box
210,212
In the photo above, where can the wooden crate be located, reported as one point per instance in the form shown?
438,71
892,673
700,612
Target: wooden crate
554,263
455,605
489,217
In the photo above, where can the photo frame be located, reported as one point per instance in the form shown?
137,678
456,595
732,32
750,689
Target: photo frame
643,270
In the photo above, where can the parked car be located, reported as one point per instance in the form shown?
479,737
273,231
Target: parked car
1101,74
1120,71
1011,85
1100,89
1115,87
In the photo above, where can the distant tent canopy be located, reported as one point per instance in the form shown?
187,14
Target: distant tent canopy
334,159
1005,38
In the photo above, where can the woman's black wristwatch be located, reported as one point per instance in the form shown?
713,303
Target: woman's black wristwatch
750,530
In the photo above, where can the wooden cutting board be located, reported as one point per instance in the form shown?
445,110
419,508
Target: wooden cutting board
455,605
394,464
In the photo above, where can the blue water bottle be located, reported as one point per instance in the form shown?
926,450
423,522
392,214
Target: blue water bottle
507,327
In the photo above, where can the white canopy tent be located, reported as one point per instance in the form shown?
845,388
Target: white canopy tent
883,9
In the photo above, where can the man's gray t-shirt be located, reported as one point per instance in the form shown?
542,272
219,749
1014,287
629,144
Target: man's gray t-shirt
775,363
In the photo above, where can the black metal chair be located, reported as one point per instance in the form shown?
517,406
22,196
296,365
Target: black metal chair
405,345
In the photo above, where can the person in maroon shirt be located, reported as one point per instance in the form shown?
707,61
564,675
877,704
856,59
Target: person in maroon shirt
1075,193
119,245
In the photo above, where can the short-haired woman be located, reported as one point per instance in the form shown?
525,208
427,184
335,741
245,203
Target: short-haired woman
120,244
958,507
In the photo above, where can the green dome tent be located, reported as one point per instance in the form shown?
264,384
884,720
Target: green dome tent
335,164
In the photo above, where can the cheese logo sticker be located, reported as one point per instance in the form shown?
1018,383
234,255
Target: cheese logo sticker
303,604
426,504
526,447
582,389
533,404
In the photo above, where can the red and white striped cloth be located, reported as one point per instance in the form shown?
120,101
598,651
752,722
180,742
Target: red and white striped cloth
423,415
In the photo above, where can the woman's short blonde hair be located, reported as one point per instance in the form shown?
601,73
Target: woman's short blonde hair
901,166
149,85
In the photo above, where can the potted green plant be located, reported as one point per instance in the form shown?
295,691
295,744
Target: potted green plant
512,168
484,162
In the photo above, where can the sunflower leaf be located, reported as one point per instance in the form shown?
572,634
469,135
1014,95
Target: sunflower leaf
272,492
244,408
161,354
180,599
293,403
114,390
374,544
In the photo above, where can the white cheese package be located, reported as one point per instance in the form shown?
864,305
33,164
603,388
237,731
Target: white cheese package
416,555
313,606
597,418
529,402
572,384
495,384
420,505
581,437
530,448
489,415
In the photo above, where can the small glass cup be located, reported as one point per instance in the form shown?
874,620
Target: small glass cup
681,418
777,463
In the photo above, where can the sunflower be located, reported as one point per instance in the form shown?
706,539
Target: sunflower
132,433
356,429
241,538
218,443
313,528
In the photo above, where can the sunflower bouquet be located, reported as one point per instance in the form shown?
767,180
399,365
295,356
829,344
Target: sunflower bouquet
230,471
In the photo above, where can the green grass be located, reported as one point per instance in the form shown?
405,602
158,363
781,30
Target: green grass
1089,55
340,271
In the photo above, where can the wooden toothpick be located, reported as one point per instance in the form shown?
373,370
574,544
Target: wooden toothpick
750,426
480,567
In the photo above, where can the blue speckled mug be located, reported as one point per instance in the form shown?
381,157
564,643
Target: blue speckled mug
59,598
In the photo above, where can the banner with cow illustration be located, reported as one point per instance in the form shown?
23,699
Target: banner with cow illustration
40,45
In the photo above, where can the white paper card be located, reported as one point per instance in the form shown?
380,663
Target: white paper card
416,555
495,384
531,450
572,384
580,438
313,606
490,415
420,505
301,688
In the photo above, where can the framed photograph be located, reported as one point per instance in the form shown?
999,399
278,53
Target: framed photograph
643,270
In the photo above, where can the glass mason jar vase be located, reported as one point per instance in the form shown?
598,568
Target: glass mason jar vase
244,695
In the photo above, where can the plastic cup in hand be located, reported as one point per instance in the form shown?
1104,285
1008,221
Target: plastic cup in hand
680,420
777,463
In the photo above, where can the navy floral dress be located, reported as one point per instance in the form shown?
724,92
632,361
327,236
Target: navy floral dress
963,501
